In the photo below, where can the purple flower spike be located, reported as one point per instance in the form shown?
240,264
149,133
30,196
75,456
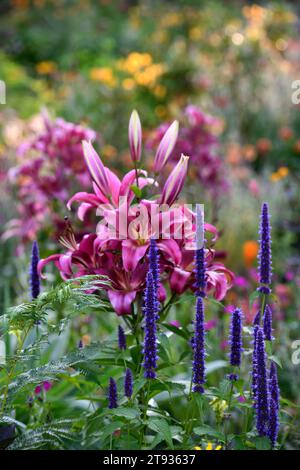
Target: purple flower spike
151,316
198,343
257,317
274,388
33,272
121,338
262,395
265,255
232,377
128,383
154,262
268,323
200,264
112,394
200,283
273,423
274,405
236,338
254,365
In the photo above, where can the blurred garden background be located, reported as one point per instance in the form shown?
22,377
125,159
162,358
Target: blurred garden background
75,70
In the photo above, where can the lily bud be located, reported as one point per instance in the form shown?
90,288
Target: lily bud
175,181
96,167
166,146
135,136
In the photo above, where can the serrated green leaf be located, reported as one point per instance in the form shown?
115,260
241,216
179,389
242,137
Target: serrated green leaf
162,427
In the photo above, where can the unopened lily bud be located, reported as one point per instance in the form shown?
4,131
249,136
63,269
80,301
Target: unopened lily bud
166,146
96,167
175,181
135,136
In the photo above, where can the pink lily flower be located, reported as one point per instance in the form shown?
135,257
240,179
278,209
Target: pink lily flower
166,147
135,136
175,181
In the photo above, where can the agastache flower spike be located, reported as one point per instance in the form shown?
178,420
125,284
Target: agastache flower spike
268,323
33,272
112,394
262,392
274,404
198,343
154,262
254,365
236,338
200,283
265,255
121,338
135,136
175,181
96,167
128,383
166,146
256,320
274,388
151,316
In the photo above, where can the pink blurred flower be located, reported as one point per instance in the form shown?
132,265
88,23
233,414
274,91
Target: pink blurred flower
198,141
50,164
46,386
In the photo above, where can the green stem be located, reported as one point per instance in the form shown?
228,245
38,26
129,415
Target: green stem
11,372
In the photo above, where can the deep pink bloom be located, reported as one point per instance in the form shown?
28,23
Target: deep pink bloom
166,147
135,136
122,255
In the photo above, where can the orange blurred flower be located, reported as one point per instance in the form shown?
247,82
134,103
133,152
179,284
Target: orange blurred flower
263,145
250,251
285,133
297,146
249,152
47,67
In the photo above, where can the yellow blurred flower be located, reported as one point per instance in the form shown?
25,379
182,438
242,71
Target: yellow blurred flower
219,406
209,447
128,84
283,171
104,75
134,62
160,91
46,67
195,33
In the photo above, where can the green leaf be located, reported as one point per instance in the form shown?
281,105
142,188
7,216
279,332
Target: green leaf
206,430
254,296
215,365
127,413
136,190
162,427
177,331
276,360
262,443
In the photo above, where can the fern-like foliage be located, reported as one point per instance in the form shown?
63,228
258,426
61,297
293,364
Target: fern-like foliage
54,435
80,359
78,292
